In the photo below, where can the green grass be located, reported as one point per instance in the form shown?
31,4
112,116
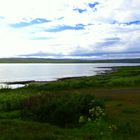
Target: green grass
125,77
23,111
15,130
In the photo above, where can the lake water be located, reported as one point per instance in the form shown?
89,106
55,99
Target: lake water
49,72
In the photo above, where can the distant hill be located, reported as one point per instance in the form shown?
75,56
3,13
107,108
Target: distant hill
43,60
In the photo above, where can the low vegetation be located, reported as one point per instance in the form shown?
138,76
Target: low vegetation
102,107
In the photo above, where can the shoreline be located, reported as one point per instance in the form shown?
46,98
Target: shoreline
17,84
102,72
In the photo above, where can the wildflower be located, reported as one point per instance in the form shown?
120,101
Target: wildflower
89,119
82,119
113,127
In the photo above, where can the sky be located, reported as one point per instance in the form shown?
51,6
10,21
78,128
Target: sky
83,29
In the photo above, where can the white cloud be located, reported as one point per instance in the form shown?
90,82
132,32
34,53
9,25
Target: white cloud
109,20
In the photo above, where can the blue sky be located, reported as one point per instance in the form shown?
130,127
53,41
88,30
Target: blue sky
87,29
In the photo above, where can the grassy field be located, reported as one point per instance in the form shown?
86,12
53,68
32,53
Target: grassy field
102,107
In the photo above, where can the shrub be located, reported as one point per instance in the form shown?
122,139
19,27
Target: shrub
63,109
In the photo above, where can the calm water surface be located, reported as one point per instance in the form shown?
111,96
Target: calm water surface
49,72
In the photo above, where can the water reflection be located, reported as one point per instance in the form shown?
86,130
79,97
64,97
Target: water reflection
11,86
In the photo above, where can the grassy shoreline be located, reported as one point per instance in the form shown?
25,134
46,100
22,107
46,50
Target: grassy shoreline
118,92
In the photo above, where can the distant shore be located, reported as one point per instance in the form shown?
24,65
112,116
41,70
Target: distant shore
44,60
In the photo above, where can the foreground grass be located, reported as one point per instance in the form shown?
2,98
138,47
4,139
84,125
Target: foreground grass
118,91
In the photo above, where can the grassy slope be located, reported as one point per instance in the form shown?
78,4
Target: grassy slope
119,90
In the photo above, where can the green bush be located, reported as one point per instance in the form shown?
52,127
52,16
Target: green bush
63,109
